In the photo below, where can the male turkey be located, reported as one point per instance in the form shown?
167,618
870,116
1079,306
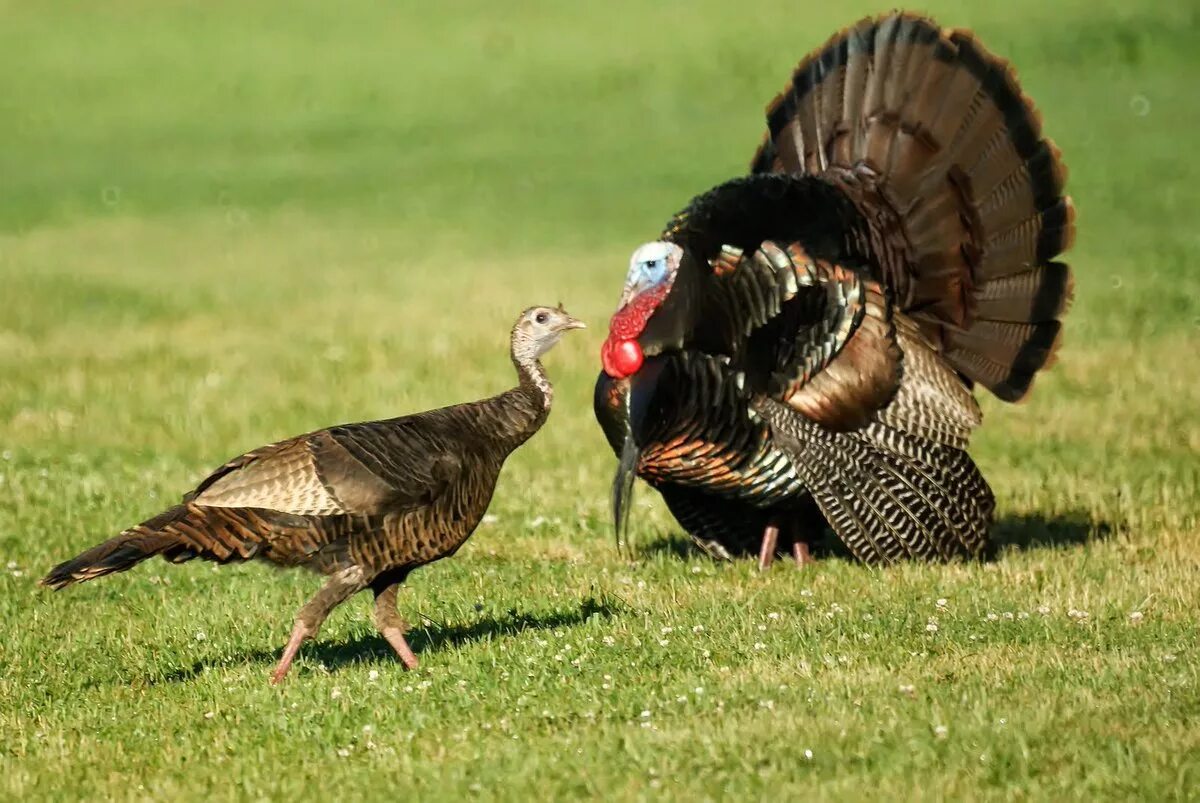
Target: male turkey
363,503
801,344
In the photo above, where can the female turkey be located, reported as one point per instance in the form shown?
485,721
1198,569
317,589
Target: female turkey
363,503
801,344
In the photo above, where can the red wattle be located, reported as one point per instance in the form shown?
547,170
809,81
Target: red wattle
621,358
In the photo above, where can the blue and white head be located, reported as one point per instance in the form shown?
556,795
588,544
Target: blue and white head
652,266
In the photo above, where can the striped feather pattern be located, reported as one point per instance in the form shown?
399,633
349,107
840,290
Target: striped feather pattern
888,495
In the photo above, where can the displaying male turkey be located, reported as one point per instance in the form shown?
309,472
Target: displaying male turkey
364,503
801,344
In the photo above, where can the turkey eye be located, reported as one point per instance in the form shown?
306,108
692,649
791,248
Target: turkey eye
542,317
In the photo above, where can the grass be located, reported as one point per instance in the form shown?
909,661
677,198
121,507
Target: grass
226,223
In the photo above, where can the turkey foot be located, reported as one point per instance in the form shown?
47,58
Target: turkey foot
395,637
299,633
801,554
766,552
391,626
310,618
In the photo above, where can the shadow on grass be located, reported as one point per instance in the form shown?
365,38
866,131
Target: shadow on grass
1046,532
428,637
1015,532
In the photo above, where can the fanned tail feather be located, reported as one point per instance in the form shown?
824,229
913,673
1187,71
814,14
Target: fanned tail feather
931,136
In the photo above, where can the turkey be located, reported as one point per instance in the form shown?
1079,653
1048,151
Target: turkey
801,345
363,504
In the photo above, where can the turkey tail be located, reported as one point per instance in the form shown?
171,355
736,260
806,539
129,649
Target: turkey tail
931,137
886,494
220,534
117,554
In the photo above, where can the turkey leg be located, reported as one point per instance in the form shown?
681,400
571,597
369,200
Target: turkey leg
389,623
310,618
770,539
801,554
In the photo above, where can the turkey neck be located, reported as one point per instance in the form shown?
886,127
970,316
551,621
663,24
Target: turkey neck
528,404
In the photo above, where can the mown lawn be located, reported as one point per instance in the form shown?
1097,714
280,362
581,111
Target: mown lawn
224,223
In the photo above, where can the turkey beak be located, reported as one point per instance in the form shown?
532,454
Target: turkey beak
622,490
573,323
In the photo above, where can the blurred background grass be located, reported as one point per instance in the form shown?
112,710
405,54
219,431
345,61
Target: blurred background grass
227,223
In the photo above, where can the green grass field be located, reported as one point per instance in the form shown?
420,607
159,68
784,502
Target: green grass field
221,225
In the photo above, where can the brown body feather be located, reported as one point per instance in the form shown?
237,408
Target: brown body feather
383,495
362,503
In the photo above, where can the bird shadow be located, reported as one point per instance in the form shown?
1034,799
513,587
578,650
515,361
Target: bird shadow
1036,531
1009,533
429,637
